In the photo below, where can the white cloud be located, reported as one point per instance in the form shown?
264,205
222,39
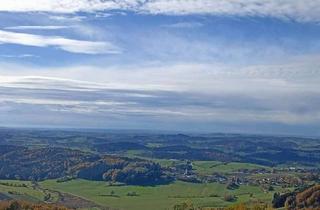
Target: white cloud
306,10
59,6
70,45
36,27
184,25
19,56
67,18
284,93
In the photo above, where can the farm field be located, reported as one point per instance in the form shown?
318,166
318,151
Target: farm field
20,190
156,197
159,197
209,167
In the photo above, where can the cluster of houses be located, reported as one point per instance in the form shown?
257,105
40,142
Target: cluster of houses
264,177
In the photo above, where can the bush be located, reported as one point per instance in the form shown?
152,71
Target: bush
132,194
229,198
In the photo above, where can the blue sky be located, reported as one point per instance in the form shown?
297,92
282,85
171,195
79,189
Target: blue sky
198,65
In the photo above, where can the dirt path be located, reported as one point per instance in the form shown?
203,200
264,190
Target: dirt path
67,200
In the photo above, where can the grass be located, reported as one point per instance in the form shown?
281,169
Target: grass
156,198
162,162
25,193
201,167
167,162
161,197
209,167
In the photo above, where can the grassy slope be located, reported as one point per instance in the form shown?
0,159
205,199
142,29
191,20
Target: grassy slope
156,198
27,193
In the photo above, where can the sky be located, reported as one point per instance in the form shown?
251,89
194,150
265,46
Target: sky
240,66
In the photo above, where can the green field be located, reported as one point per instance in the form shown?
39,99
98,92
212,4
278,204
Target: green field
157,197
202,167
15,190
210,167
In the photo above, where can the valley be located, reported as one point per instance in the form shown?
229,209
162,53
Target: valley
129,171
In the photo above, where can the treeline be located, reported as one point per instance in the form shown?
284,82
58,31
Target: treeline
305,199
182,152
308,199
23,205
125,170
41,163
57,163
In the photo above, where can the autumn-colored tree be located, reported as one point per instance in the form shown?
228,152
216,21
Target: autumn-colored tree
23,205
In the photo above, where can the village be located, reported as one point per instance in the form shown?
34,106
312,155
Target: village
267,179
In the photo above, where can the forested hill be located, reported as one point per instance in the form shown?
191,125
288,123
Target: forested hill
52,163
257,149
304,199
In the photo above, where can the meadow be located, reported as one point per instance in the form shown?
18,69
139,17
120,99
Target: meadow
160,197
209,167
20,190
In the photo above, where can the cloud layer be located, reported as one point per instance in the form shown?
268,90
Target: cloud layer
307,10
204,94
69,45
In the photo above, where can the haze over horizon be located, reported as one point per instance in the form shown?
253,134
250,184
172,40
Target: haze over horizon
198,65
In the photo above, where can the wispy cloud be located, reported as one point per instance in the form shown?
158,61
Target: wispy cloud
69,45
57,96
19,56
285,94
67,18
307,10
184,25
36,27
